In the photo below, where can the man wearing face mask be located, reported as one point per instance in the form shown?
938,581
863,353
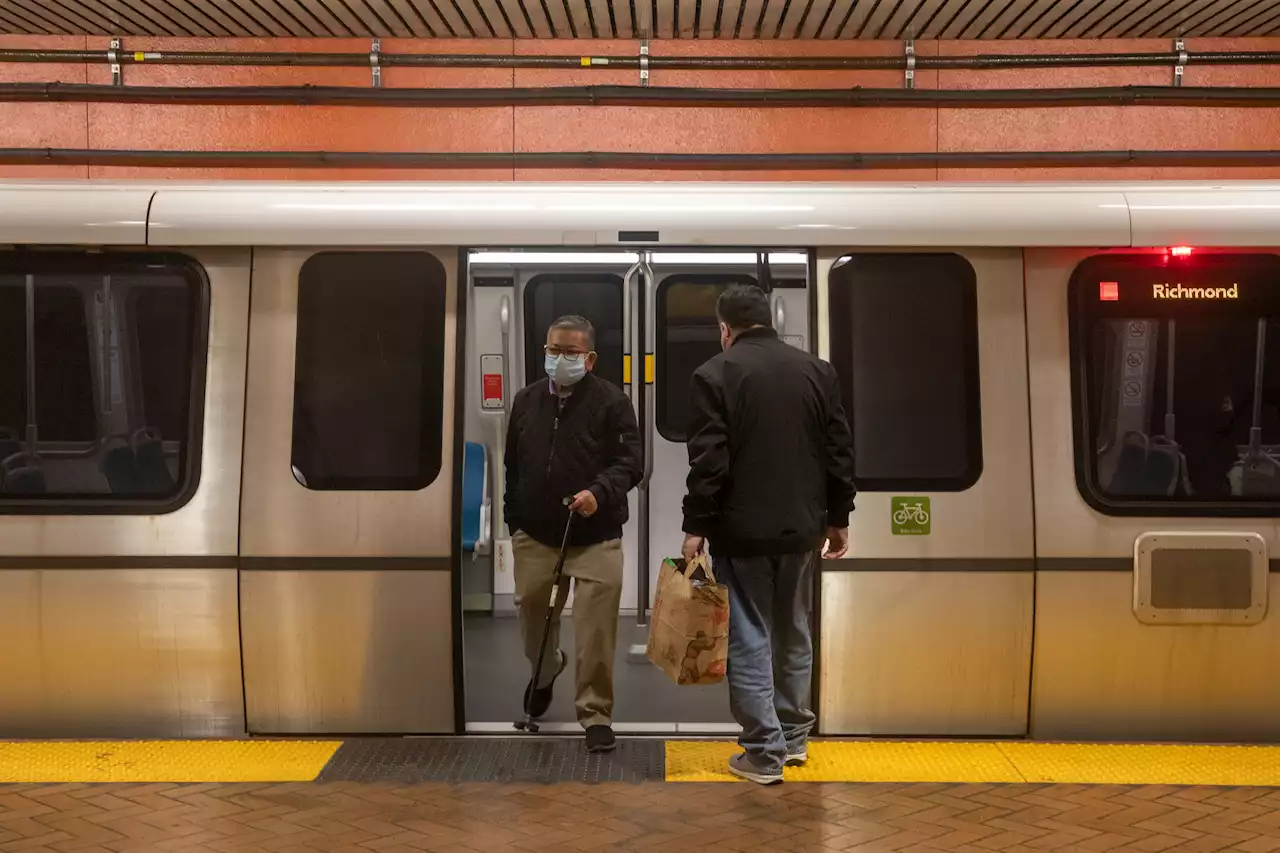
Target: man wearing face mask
571,435
770,484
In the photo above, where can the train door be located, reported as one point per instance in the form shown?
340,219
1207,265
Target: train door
346,525
926,624
513,298
658,304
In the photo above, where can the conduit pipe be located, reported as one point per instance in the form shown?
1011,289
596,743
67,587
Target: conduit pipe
631,160
655,62
659,96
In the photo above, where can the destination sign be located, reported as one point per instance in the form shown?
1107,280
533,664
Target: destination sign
1179,291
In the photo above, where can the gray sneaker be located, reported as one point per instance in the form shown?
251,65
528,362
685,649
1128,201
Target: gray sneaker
744,768
797,757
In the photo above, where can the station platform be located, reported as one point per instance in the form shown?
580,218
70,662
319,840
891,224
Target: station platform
541,793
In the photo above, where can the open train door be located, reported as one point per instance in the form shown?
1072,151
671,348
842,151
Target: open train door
654,317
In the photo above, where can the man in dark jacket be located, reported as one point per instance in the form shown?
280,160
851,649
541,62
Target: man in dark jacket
571,435
770,483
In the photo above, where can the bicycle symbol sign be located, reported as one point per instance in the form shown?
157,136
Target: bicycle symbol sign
910,516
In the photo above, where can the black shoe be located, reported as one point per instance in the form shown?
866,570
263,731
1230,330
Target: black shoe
536,702
600,739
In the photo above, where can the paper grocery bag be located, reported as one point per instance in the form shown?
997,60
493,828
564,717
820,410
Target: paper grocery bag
689,630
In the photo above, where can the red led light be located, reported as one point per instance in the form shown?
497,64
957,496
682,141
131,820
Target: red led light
1108,291
1181,251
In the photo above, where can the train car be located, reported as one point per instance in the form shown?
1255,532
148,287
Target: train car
251,448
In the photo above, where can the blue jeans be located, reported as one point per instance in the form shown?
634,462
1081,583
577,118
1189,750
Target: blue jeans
770,652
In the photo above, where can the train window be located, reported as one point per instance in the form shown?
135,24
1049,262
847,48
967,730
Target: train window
1177,383
101,381
368,401
687,334
904,341
595,296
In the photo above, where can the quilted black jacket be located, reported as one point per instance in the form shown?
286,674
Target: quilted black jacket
556,447
770,451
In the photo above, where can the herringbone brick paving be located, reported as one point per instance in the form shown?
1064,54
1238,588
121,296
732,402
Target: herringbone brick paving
491,818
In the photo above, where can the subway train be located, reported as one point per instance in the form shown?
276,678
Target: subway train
251,443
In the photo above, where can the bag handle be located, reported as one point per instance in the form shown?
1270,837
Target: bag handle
701,561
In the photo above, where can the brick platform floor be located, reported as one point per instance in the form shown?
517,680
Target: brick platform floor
490,817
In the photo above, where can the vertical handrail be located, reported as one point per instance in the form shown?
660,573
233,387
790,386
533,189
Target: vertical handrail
497,516
779,315
32,436
1170,421
1255,428
628,310
647,341
643,394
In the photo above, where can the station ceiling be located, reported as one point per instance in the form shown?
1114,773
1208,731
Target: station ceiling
685,19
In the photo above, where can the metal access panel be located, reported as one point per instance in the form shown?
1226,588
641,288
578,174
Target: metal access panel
926,625
346,590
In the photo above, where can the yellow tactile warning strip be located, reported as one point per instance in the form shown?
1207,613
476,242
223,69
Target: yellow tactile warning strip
163,761
1013,763
686,761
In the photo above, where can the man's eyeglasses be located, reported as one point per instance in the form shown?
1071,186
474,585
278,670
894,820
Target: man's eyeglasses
568,354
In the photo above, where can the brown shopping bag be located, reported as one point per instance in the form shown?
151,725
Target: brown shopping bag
689,631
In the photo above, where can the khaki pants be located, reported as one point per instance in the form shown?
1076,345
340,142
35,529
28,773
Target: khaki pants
597,591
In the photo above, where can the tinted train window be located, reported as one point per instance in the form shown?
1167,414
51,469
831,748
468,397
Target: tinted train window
101,381
595,296
368,402
904,340
687,335
1177,383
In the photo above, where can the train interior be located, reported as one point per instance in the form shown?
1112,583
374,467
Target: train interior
89,367
661,304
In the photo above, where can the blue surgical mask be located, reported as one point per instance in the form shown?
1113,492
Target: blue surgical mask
565,372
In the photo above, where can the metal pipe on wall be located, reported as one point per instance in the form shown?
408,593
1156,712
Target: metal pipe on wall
631,160
674,96
654,62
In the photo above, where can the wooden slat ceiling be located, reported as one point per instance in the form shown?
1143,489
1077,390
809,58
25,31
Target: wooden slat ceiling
745,19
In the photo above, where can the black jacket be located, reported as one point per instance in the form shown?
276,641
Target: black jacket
770,452
556,447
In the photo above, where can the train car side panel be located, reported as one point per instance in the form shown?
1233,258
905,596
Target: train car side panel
1099,671
127,625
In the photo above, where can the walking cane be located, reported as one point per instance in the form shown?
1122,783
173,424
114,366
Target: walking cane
527,724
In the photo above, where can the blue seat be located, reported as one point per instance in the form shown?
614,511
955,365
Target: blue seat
474,488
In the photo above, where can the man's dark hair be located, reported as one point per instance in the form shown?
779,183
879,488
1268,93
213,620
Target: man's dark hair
743,306
576,323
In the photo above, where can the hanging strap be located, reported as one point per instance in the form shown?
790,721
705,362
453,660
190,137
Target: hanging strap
764,276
